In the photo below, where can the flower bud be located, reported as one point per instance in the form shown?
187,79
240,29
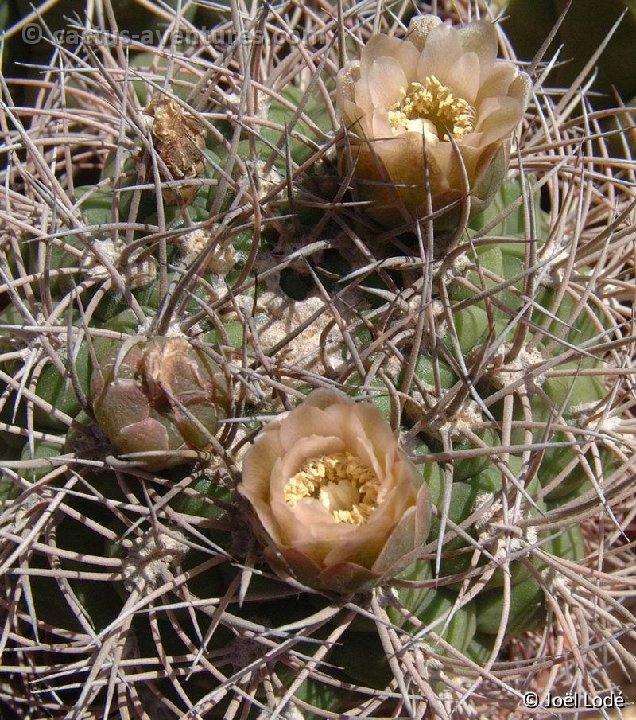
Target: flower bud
158,395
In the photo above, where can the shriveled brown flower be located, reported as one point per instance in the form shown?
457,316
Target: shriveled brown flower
336,501
439,94
179,138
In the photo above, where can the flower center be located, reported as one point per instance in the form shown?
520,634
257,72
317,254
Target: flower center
341,482
432,110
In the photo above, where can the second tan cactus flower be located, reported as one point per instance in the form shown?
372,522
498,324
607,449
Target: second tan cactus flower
335,501
441,91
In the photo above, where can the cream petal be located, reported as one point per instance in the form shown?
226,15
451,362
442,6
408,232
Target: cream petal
462,77
496,81
419,29
441,50
386,82
481,38
521,89
380,45
498,117
346,79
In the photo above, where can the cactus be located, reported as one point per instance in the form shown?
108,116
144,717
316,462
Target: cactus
210,323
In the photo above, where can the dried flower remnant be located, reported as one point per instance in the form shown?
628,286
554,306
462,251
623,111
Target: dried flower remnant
335,500
157,396
440,96
179,138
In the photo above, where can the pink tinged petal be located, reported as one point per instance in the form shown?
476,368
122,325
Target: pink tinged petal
314,525
409,533
481,38
356,120
375,428
408,57
304,568
440,164
363,449
292,521
381,129
348,421
498,117
362,546
397,553
264,514
362,96
259,462
386,82
306,420
324,398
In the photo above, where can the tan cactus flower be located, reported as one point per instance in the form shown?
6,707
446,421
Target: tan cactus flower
337,503
441,91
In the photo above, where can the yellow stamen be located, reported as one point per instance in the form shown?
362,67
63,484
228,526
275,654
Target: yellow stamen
341,482
432,108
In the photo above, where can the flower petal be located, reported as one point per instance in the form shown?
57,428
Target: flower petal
463,77
402,51
496,81
480,38
498,117
259,462
386,82
419,28
441,50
